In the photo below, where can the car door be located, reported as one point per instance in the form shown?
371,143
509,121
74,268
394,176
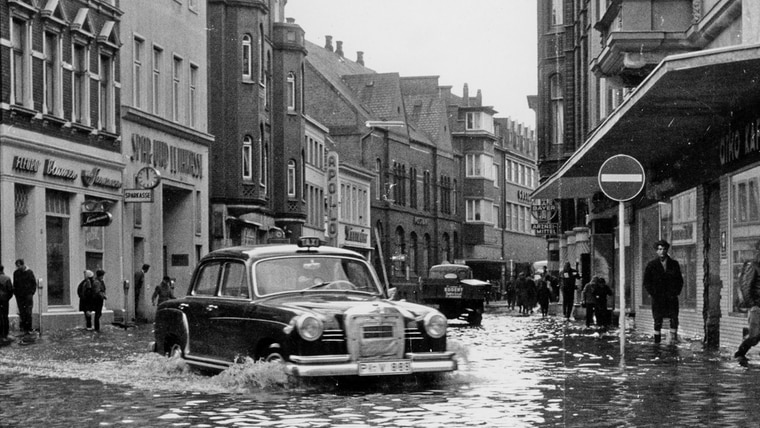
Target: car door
200,307
230,328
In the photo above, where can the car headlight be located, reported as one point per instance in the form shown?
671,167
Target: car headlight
435,324
309,327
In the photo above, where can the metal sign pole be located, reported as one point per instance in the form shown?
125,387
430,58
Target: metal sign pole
621,276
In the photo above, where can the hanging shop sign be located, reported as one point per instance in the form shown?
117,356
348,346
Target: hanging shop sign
544,209
545,228
96,218
138,195
333,194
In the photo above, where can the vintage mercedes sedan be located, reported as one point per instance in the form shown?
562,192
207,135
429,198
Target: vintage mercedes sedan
321,311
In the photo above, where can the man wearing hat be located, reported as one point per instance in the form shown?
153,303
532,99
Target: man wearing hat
663,281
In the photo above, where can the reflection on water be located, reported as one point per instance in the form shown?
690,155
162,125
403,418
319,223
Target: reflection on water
514,371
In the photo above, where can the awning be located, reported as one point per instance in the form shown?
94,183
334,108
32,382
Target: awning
680,110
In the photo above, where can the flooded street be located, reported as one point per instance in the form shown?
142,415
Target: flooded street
516,371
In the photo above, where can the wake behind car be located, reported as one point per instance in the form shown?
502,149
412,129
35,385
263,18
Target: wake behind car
321,311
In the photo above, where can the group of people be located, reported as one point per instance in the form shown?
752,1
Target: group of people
23,286
91,291
525,293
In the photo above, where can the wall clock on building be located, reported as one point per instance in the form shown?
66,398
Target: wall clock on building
148,177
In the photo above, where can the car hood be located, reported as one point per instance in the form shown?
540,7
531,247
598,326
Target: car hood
333,304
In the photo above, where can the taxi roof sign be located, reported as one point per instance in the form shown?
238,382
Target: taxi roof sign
309,241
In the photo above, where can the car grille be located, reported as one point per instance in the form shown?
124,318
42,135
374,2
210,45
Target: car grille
378,331
375,332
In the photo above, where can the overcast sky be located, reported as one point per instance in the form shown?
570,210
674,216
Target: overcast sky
488,44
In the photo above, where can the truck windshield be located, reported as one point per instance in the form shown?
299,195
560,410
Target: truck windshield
313,273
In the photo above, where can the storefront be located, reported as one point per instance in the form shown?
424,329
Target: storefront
167,219
67,217
692,124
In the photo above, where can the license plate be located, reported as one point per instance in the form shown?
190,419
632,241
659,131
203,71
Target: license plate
453,292
384,368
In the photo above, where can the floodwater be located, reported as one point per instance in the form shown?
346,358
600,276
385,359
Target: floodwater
515,371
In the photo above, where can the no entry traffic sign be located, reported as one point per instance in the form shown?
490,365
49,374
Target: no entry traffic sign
621,178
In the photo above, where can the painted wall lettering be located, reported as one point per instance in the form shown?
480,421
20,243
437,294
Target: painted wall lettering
161,155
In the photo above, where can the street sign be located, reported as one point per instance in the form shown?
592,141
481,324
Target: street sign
138,195
621,178
543,209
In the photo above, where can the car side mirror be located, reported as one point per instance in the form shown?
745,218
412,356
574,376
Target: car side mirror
392,293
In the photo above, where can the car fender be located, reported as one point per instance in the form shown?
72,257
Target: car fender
173,324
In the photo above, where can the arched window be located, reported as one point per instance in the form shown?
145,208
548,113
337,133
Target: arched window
427,255
265,165
556,96
247,66
412,254
557,15
291,178
379,179
247,160
291,83
399,253
445,248
260,50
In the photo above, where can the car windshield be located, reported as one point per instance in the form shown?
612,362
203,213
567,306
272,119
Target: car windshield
313,273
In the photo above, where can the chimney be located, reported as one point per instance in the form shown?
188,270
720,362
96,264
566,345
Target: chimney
290,20
328,43
479,99
360,57
339,48
466,95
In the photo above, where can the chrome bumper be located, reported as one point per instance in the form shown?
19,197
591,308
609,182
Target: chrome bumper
341,365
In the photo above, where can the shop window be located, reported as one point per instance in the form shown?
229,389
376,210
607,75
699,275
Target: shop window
57,247
745,226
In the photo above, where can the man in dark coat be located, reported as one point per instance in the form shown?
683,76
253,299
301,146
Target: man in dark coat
664,282
569,276
24,287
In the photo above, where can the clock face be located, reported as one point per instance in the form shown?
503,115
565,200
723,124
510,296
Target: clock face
148,177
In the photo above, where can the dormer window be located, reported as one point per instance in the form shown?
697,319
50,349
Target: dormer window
478,121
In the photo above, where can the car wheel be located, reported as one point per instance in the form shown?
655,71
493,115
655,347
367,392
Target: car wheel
274,357
273,354
474,318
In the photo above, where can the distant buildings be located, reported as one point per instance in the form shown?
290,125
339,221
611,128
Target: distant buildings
137,132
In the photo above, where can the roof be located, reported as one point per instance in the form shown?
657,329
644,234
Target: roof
276,250
671,122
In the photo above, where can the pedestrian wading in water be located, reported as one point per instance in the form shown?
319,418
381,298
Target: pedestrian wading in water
664,282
